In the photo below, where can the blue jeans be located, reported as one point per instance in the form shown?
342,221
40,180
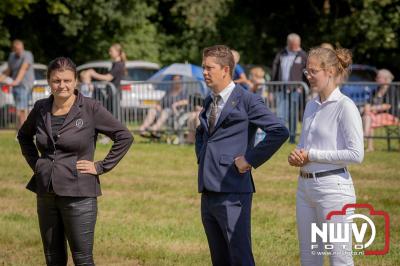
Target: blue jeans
288,110
21,97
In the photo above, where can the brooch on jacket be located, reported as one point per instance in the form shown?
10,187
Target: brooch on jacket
79,123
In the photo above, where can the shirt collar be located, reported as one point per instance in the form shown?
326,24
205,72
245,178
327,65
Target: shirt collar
19,56
333,97
289,52
225,93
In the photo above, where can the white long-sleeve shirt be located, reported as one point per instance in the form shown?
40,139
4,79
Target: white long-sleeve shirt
331,133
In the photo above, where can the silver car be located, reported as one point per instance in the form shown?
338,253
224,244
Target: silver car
134,93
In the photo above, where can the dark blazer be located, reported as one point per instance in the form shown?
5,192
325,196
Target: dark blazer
234,135
76,141
296,72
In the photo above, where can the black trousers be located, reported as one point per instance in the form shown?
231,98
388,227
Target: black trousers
67,218
226,219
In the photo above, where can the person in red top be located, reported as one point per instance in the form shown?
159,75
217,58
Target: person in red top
376,113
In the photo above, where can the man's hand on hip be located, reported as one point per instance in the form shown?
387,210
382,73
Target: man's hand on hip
242,165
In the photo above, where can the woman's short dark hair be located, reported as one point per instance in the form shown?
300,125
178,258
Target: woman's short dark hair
61,64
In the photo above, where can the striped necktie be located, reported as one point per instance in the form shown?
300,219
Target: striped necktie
214,112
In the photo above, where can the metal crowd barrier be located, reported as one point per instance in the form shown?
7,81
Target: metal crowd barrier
168,107
368,93
105,92
287,100
176,104
7,107
379,105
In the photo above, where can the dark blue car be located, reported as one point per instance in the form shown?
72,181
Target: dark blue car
359,86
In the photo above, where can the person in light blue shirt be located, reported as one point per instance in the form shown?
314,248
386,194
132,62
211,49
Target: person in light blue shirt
20,70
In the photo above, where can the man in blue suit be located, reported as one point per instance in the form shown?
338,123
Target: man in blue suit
226,154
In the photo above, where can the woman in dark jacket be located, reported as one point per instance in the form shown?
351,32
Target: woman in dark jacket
66,180
117,71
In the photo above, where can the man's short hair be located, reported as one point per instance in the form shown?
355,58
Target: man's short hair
17,41
223,55
387,74
292,37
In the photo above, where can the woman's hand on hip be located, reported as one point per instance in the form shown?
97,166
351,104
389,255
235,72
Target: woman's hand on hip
86,167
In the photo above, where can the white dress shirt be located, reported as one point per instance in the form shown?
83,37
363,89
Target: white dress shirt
225,93
332,133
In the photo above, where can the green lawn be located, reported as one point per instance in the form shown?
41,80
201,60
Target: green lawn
149,211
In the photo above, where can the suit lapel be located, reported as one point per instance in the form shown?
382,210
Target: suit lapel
203,113
75,111
229,106
45,112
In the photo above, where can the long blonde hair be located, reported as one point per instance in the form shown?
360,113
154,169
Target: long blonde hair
121,52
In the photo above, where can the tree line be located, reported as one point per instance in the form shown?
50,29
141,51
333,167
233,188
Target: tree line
167,31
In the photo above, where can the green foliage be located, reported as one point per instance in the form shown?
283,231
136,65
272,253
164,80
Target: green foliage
375,25
13,8
167,31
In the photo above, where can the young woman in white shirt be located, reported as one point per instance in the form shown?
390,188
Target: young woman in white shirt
331,138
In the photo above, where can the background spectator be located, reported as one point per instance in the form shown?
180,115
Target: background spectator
288,65
239,76
20,70
115,76
375,114
257,78
117,71
169,104
86,87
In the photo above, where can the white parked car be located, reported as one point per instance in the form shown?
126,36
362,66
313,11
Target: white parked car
134,92
40,88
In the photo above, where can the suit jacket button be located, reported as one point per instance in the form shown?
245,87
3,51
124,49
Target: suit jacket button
58,136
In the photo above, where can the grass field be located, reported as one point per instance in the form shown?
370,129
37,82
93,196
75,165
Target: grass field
149,211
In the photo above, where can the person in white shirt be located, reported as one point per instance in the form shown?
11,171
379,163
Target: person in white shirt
331,138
